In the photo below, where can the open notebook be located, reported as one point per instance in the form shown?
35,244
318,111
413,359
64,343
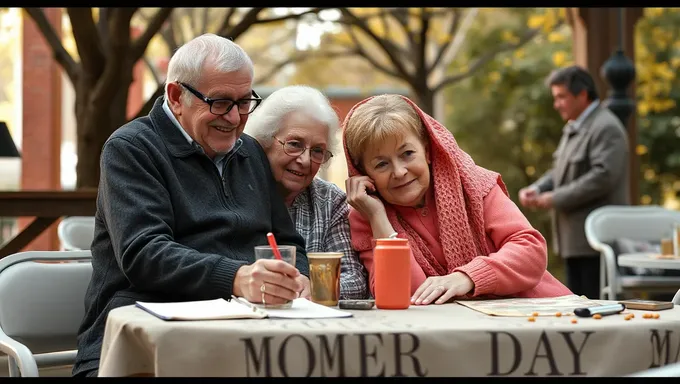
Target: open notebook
220,309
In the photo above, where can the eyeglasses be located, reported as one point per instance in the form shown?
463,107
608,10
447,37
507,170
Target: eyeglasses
221,107
296,148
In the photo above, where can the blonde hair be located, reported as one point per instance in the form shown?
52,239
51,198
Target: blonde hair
377,119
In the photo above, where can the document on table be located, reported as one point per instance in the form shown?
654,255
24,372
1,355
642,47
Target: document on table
523,307
221,309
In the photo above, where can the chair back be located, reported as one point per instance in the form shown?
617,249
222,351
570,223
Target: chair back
76,232
42,303
644,223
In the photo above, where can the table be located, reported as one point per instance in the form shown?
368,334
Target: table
441,340
47,207
646,260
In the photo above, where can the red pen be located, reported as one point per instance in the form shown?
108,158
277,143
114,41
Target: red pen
272,243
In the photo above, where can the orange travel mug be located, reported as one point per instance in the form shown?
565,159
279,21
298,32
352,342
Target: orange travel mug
391,261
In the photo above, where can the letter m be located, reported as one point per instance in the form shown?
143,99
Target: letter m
263,357
658,345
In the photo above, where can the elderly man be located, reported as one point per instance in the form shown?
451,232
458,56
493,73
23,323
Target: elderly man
184,197
590,171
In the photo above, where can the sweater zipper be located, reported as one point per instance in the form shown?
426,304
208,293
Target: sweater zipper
223,194
224,180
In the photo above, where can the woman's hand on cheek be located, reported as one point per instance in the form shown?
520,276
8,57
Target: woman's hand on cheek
442,288
358,188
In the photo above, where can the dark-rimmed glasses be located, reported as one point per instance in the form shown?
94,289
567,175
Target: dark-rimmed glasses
221,107
296,148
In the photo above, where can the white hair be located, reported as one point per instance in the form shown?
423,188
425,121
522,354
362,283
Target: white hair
187,63
267,120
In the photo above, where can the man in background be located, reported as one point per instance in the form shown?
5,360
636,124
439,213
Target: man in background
590,170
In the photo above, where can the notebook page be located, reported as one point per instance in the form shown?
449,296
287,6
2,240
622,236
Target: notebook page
201,310
305,309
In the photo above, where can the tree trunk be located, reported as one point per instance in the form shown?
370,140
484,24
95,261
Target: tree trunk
424,97
96,122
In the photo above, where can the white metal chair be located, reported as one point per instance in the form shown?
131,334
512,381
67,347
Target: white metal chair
676,298
648,223
41,308
76,232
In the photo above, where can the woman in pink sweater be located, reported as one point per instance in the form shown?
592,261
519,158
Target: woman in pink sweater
409,179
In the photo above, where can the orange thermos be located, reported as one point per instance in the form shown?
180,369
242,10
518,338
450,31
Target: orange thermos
391,263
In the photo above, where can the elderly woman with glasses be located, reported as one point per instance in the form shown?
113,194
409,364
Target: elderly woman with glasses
297,126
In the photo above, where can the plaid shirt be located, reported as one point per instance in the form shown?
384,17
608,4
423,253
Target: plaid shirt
320,217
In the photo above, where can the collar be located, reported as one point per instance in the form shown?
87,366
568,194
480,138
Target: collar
174,120
576,124
176,139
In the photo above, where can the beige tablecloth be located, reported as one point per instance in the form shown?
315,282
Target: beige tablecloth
444,340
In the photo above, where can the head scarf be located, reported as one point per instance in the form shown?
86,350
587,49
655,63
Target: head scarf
459,190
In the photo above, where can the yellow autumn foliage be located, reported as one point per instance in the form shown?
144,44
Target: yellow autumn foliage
655,78
555,37
559,58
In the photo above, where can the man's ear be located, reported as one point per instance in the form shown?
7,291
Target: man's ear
174,91
583,97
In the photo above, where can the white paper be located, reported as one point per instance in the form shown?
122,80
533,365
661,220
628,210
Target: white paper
218,309
305,309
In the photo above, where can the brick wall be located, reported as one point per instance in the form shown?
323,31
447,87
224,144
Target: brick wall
41,114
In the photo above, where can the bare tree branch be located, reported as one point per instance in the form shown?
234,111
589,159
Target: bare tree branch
251,18
385,24
300,57
70,66
153,70
204,20
362,52
168,34
103,25
291,16
226,23
116,55
404,53
191,12
260,54
144,110
438,72
401,15
85,33
421,64
453,27
140,44
246,21
485,58
386,45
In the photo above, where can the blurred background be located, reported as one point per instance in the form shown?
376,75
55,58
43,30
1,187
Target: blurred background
69,77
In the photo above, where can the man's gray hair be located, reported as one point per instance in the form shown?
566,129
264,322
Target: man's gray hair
266,121
186,64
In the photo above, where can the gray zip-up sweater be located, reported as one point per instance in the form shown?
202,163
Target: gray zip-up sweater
169,228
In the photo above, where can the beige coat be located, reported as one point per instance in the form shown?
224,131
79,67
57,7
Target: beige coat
590,170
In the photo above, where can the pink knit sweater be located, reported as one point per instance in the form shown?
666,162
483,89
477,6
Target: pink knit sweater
473,226
515,267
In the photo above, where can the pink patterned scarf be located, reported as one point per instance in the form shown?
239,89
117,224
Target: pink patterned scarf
459,190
